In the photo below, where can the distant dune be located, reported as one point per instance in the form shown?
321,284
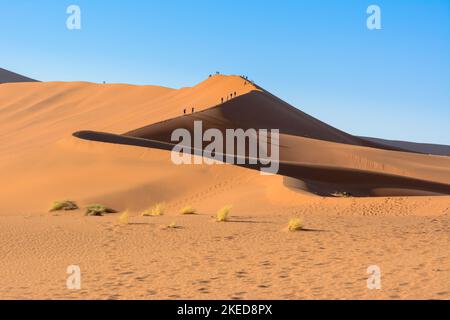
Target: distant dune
426,148
8,76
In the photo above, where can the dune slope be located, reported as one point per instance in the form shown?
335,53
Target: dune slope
322,158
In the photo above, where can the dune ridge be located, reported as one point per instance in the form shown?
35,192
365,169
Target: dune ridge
323,157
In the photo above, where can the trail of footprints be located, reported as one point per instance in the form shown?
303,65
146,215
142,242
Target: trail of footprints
211,191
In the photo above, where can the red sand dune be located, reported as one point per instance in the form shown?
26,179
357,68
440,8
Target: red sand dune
42,161
323,158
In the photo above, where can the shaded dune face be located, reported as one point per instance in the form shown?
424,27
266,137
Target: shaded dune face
11,77
259,110
313,155
324,180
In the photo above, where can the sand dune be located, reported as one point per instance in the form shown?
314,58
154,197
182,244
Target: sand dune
37,150
322,157
43,159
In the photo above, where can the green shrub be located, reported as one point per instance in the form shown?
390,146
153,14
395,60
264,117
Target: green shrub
188,210
98,210
342,194
63,205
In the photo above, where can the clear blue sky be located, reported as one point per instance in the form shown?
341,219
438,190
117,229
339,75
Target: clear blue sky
317,55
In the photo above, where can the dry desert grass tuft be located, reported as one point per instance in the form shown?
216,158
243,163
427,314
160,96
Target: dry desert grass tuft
124,218
188,210
223,213
295,224
173,225
156,210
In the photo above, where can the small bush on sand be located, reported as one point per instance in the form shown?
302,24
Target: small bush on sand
98,210
188,210
124,218
173,225
222,214
341,194
295,224
156,210
63,205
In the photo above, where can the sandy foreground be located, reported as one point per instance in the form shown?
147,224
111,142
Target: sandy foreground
250,257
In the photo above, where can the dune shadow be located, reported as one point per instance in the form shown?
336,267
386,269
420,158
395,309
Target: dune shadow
248,221
313,230
139,223
173,228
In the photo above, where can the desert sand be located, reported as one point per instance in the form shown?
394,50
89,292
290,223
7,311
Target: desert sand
52,147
